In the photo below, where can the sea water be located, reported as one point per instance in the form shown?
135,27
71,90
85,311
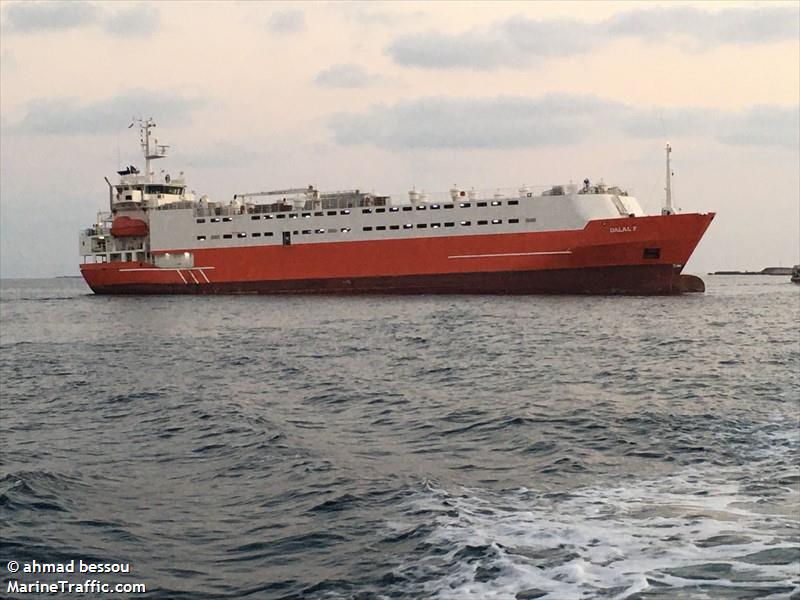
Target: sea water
385,447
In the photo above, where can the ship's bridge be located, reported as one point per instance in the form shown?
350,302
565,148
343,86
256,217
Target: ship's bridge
142,192
148,190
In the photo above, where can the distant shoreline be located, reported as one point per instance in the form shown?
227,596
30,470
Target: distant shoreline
782,271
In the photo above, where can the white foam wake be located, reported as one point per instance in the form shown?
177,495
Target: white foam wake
689,532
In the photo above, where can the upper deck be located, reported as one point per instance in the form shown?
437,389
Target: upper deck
185,225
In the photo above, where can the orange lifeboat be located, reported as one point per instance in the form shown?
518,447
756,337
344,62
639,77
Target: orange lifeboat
127,227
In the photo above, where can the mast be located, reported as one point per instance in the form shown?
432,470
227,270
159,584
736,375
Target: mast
158,150
667,210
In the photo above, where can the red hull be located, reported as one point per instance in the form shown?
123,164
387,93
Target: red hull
606,257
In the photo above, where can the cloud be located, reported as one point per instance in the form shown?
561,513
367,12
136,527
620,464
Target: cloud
432,50
512,43
27,17
757,25
553,120
345,76
66,116
287,21
518,42
764,126
777,126
48,16
502,122
139,21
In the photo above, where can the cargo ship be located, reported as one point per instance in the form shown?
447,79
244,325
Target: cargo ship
159,238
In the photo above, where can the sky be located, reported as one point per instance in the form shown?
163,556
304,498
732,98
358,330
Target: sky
385,96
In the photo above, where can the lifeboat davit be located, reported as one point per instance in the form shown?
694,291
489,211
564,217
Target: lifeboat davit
128,227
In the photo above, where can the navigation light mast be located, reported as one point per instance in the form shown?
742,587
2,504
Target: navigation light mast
668,210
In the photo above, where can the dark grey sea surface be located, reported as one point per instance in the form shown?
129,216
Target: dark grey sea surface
426,447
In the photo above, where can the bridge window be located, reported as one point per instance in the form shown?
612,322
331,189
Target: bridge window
162,189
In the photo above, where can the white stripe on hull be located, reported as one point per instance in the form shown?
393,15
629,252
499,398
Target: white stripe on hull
167,269
511,254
